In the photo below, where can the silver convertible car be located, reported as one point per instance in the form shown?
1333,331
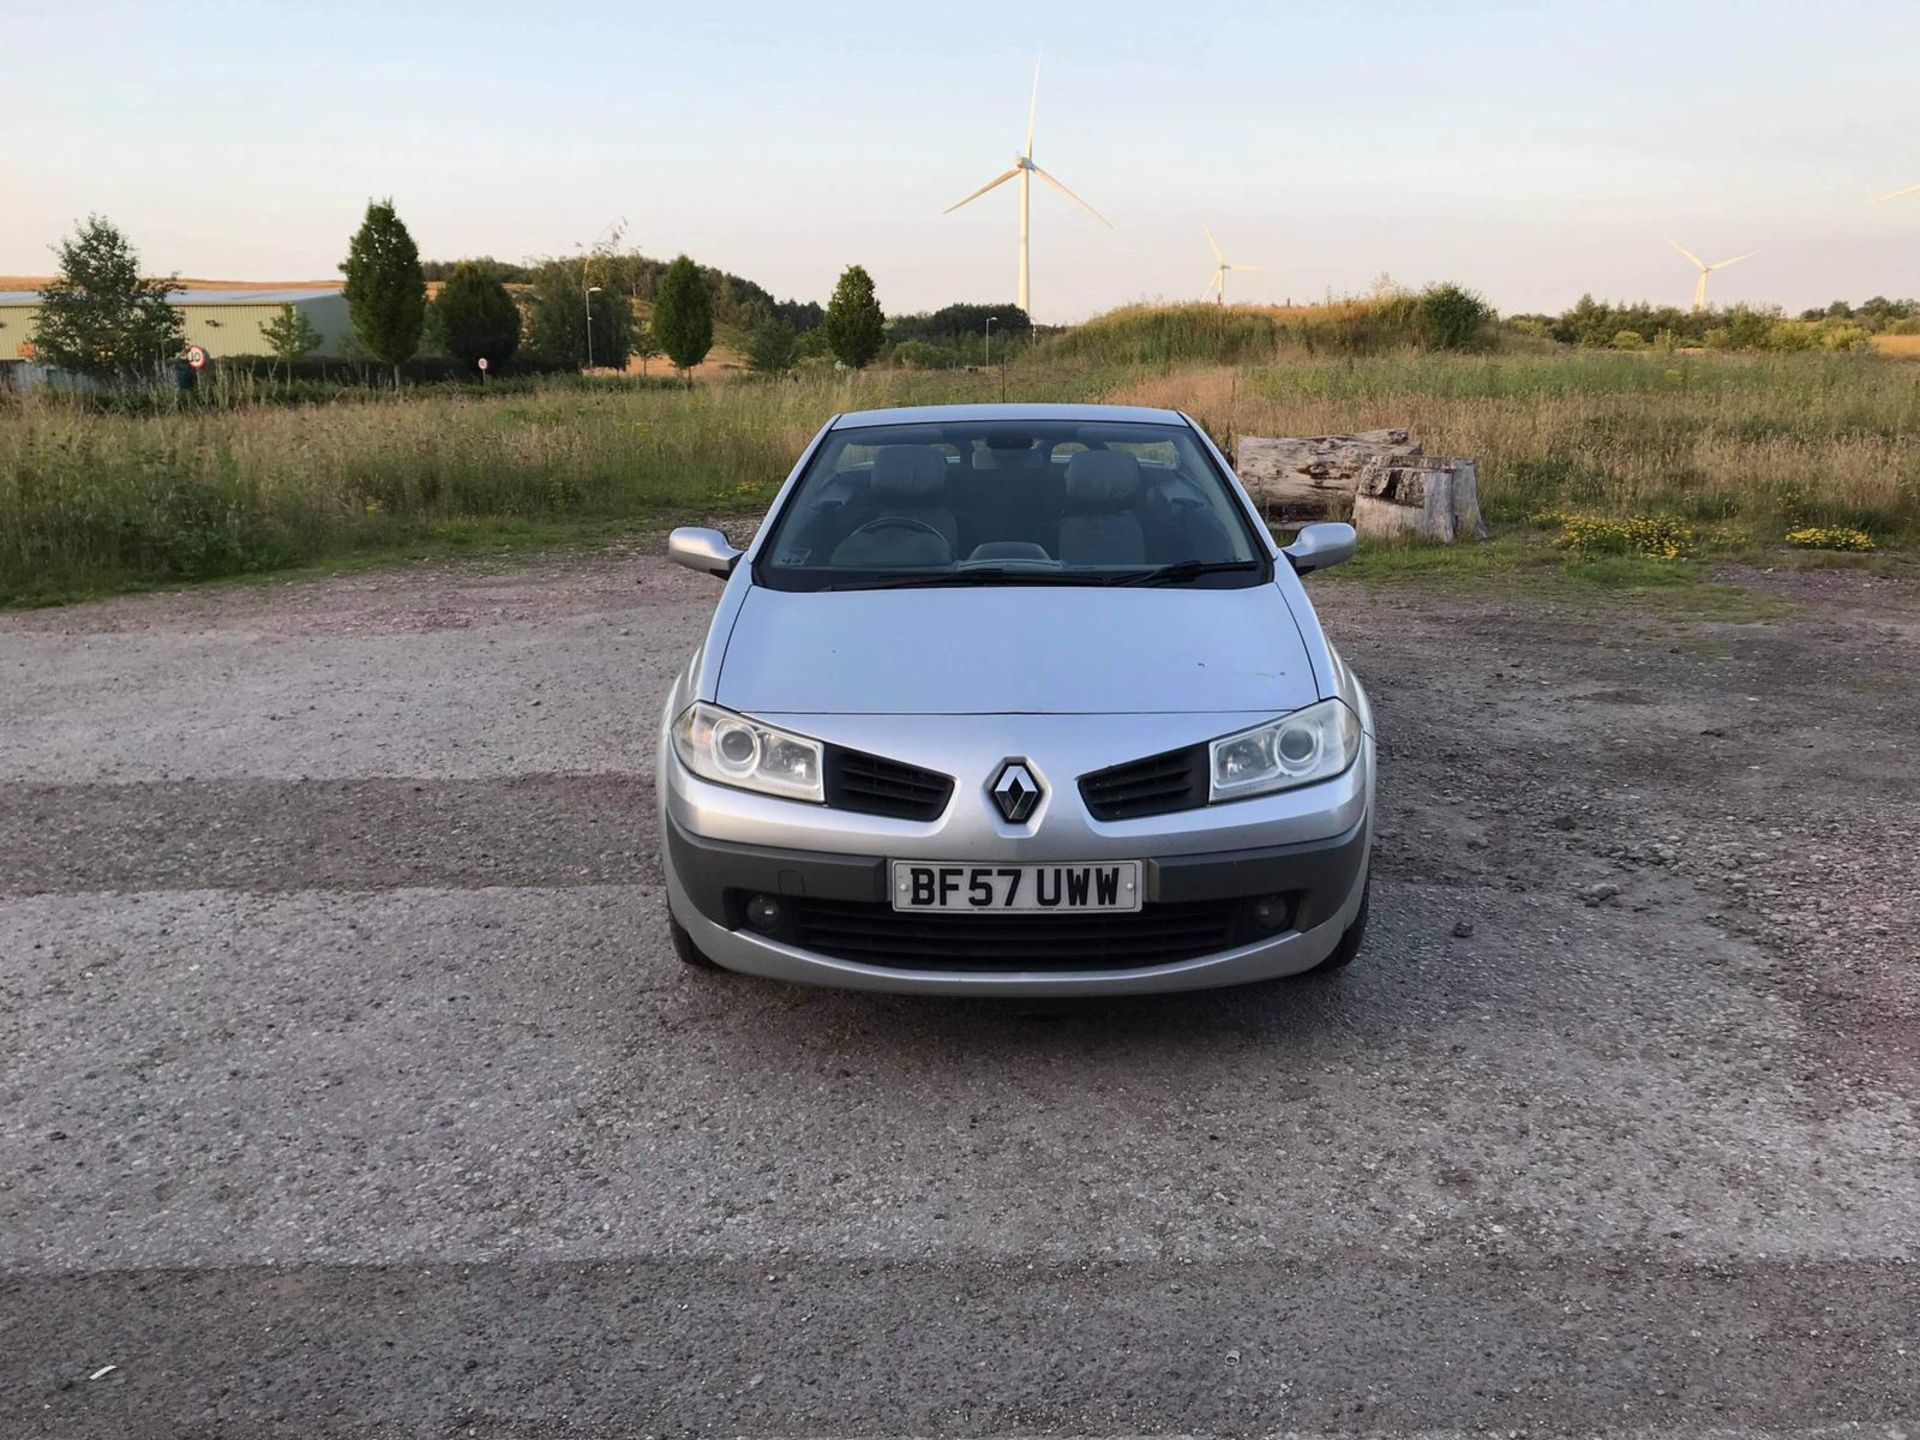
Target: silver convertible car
1016,699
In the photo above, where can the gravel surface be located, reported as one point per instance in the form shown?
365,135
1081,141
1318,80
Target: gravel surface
349,1088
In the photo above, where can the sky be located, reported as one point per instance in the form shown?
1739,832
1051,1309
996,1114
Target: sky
1531,151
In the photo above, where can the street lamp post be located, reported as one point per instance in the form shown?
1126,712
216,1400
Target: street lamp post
592,290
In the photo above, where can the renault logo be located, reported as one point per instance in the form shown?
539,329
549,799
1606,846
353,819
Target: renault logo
1015,791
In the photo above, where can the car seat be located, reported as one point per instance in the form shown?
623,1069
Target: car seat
1100,526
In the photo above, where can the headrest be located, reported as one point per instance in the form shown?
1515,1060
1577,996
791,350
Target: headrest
1011,450
1102,480
908,472
1010,550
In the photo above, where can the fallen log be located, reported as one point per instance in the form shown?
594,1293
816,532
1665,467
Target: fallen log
1295,479
1434,498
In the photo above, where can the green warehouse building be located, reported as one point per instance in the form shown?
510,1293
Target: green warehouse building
221,322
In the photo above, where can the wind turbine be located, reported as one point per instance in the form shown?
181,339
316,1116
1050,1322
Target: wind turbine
1700,290
1024,167
1220,269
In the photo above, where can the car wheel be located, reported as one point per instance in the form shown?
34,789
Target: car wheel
1349,945
684,947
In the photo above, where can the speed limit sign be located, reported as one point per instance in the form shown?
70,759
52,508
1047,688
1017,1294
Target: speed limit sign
196,357
482,363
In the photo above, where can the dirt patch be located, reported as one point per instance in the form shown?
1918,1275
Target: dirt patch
1757,778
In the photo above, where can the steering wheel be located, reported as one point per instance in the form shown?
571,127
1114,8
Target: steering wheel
901,522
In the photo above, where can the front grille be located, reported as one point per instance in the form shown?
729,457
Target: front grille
1157,785
876,786
877,934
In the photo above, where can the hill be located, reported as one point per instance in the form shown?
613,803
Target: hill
1233,334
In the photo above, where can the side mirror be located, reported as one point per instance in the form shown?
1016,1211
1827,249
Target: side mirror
707,551
1318,546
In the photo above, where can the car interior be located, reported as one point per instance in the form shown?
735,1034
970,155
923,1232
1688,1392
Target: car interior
1006,498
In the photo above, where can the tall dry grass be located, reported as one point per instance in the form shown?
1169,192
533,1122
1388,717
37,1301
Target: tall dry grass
1758,444
92,501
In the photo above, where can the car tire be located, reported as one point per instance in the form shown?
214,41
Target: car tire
1349,946
683,946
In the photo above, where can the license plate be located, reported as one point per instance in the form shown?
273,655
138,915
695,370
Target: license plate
1016,888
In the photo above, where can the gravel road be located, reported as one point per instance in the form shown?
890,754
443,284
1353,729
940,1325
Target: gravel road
348,1087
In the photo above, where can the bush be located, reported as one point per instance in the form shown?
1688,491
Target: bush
1794,335
1659,537
421,370
1749,328
772,348
1830,537
922,355
1450,317
1629,340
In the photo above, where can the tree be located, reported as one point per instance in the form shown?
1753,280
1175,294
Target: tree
477,316
98,317
386,288
855,327
504,271
950,322
772,347
558,327
291,337
683,314
644,345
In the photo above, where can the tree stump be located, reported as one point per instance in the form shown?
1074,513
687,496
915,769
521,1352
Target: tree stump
1303,478
1436,499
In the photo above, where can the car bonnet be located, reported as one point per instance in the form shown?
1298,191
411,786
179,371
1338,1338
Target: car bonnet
1015,650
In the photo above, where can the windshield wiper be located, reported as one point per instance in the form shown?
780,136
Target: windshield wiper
1182,570
974,575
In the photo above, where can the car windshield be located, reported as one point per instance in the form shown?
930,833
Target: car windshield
1011,502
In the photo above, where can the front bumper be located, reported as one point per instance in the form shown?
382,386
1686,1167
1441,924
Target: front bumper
709,881
715,860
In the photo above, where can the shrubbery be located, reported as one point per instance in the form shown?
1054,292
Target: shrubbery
1450,317
1838,328
923,355
1830,537
421,370
1659,537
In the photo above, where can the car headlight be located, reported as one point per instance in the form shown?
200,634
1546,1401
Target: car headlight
731,749
1316,743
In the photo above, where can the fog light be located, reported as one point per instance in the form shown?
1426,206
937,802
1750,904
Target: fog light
1270,912
764,914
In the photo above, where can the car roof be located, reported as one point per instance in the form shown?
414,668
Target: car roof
935,414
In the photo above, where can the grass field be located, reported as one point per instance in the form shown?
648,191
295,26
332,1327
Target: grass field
1744,448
